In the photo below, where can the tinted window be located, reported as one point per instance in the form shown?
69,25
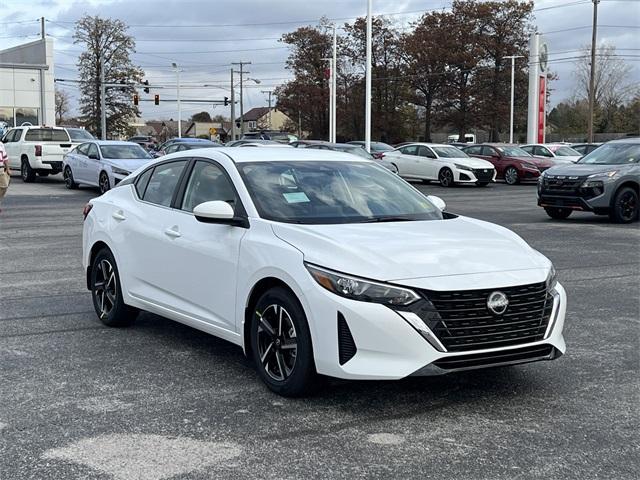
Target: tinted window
313,192
14,135
488,151
46,135
566,152
163,183
409,150
473,151
426,152
83,149
528,150
449,152
142,182
542,152
206,184
613,154
92,151
513,152
125,152
580,149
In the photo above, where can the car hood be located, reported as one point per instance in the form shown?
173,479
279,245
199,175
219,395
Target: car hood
409,250
130,165
470,162
581,169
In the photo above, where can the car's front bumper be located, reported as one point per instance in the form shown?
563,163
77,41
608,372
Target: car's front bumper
388,346
476,175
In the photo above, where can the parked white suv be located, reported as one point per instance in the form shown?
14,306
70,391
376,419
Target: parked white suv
36,150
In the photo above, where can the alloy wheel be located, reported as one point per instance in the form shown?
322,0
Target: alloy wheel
446,178
511,176
105,288
104,183
627,206
277,342
68,178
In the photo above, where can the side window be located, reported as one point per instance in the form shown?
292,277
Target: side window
172,148
82,149
163,183
409,150
426,152
542,152
92,151
473,151
206,184
488,151
529,150
17,133
142,182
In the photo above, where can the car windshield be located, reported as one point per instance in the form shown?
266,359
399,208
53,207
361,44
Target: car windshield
566,152
512,152
613,154
314,192
46,135
381,147
449,152
124,152
79,134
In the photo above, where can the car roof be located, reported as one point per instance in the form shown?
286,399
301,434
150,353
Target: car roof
430,144
633,140
276,154
110,142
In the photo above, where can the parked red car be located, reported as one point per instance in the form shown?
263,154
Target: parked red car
512,163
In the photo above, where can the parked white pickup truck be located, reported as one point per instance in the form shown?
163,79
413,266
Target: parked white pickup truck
36,150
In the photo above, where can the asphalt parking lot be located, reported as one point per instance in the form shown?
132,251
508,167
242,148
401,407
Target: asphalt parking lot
161,400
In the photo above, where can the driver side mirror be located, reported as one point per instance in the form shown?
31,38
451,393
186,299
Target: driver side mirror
437,201
220,212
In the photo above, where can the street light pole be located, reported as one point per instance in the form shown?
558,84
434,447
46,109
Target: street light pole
103,102
513,72
242,73
269,92
367,100
334,93
592,73
175,66
233,108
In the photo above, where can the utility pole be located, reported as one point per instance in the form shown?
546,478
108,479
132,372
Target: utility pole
242,73
177,70
367,99
269,92
42,32
592,74
513,72
233,108
330,81
103,103
334,93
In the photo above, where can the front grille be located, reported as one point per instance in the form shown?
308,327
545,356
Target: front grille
561,185
464,322
509,357
483,174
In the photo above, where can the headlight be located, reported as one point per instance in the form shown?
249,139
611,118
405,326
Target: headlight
530,165
610,174
462,167
362,290
552,279
119,171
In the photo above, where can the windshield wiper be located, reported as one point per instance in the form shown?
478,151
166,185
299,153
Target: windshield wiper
388,219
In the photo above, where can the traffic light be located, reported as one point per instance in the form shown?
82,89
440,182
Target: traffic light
135,99
156,99
146,89
226,101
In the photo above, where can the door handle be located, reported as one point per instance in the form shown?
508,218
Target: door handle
118,215
170,232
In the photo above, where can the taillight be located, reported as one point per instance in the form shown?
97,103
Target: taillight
38,150
85,211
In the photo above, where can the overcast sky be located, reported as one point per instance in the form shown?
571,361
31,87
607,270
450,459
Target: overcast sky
205,36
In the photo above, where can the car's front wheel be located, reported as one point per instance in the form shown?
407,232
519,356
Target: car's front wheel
27,173
558,213
281,344
104,183
107,292
625,206
446,177
69,182
511,176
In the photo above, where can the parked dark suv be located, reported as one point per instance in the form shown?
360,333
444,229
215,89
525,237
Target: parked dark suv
604,182
512,163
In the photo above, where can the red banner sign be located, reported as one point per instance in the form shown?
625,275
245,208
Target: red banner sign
542,101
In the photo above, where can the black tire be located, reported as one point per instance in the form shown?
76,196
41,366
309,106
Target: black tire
482,184
511,176
103,182
625,206
27,173
445,177
397,172
107,293
69,182
558,213
283,357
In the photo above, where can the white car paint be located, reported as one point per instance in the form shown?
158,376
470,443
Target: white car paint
550,151
422,161
86,170
202,274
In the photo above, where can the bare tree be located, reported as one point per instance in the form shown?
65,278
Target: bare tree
62,106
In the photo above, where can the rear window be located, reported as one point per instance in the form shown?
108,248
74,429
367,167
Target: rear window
46,135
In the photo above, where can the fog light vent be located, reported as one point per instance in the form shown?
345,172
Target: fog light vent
346,345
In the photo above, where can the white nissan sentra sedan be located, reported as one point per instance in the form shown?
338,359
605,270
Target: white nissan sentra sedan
318,263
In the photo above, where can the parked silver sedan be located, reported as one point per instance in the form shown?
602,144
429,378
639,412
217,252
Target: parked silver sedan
102,163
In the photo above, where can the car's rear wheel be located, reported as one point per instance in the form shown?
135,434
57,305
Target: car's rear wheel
69,182
511,176
558,213
27,173
281,344
107,292
445,177
105,186
625,206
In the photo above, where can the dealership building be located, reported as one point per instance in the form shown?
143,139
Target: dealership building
27,92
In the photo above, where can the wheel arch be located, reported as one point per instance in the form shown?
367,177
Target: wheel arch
627,183
95,248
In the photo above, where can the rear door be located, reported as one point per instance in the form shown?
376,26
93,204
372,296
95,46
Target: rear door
405,159
94,164
428,165
75,160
